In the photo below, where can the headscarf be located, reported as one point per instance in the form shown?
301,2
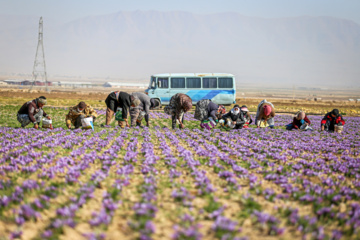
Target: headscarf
233,111
221,109
267,110
300,115
136,102
187,106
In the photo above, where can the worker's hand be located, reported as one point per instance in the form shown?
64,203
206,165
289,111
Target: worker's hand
322,128
234,122
258,126
48,117
68,126
182,125
36,126
307,124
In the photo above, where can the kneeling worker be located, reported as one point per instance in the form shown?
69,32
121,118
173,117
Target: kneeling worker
331,120
78,112
32,111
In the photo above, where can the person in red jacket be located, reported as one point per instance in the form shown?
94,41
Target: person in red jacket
300,122
332,119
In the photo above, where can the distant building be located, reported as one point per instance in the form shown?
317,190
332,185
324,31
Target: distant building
13,81
73,84
117,84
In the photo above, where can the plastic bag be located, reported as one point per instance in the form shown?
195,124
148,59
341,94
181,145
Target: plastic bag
212,122
87,123
263,124
119,115
47,123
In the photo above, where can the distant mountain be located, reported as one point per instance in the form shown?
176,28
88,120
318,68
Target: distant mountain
301,50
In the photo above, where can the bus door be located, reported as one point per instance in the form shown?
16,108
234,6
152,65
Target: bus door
163,90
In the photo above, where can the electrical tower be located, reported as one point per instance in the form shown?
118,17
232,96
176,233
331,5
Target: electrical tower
39,70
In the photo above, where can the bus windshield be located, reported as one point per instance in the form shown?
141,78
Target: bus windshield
153,83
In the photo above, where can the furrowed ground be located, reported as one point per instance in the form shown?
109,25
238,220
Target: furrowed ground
156,183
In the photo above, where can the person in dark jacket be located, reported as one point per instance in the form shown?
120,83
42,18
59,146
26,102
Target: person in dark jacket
32,112
143,110
332,119
179,104
208,113
121,100
247,117
300,122
234,118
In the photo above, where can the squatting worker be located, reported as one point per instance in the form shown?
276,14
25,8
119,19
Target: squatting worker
142,110
78,112
208,112
179,104
32,112
300,122
122,100
332,119
265,114
234,118
247,116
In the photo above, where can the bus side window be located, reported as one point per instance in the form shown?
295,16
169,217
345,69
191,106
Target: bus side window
225,82
177,82
209,82
193,82
163,82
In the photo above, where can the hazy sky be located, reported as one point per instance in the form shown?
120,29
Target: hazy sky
67,10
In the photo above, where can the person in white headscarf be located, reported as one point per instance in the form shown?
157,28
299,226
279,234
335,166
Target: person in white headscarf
233,119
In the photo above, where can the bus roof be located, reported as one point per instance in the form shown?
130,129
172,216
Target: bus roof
193,75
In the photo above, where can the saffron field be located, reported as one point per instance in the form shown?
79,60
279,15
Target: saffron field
155,183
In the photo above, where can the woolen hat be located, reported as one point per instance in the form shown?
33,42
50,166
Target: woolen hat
42,100
335,112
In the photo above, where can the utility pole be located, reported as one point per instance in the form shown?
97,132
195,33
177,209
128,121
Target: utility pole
39,70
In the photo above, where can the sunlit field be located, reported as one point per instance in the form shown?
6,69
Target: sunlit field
157,183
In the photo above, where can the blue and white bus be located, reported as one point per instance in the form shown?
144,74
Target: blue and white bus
219,87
